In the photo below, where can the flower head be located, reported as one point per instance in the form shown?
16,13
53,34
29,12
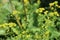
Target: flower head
56,2
12,24
26,2
28,36
15,12
51,13
45,12
51,4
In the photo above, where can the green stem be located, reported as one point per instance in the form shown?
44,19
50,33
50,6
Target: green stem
24,10
13,8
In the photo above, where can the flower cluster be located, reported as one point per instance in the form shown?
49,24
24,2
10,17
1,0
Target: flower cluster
8,25
55,3
52,4
26,2
54,13
15,12
40,10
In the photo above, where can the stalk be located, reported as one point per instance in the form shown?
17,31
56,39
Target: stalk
13,8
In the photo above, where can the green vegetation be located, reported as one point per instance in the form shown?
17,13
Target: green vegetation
26,20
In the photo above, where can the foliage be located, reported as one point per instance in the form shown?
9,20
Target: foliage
26,20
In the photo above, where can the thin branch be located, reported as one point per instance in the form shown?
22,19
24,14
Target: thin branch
24,10
13,8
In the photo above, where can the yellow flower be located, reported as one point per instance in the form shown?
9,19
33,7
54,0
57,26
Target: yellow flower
56,2
23,32
41,9
26,2
58,6
6,23
57,14
12,24
52,8
38,1
27,36
15,12
51,4
47,32
45,12
3,25
51,14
